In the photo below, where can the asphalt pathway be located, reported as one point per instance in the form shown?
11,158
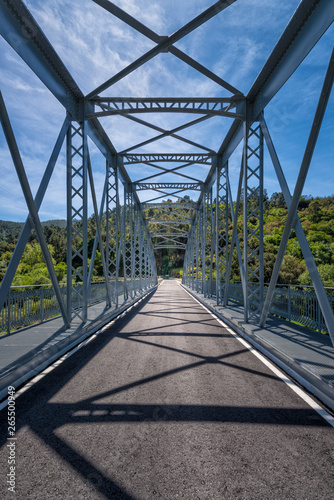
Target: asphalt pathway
166,404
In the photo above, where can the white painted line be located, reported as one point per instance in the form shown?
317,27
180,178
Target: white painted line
281,375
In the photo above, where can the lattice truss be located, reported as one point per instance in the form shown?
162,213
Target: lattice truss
77,219
179,200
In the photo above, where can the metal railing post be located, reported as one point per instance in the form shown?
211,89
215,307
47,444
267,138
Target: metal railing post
42,303
8,312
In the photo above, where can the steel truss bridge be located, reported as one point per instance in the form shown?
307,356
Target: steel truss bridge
132,234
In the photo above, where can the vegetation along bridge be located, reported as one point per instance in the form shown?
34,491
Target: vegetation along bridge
116,380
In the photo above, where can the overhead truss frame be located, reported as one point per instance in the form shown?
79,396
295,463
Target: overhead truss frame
211,233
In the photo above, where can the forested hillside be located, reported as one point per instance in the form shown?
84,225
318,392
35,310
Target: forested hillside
316,215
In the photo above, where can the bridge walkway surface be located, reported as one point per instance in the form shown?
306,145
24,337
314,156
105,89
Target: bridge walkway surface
167,403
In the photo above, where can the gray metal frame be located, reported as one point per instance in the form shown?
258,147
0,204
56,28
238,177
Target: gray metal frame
128,245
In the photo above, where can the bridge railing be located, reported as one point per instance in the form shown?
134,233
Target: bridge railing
294,303
27,305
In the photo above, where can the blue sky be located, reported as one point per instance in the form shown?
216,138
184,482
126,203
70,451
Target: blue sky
94,46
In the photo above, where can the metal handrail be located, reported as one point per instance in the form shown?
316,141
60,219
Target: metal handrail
294,303
36,304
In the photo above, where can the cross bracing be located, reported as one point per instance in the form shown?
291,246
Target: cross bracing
196,200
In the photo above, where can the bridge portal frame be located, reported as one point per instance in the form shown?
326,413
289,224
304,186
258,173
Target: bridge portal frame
306,27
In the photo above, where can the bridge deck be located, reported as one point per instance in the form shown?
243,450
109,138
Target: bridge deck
167,404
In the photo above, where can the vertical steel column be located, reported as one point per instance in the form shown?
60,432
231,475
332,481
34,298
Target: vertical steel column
199,248
141,239
190,258
98,238
77,157
202,237
253,222
146,260
190,262
127,238
193,257
221,223
112,230
135,268
152,271
185,275
208,242
234,239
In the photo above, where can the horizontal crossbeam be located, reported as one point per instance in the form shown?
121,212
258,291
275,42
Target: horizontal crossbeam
168,221
180,247
127,105
189,205
168,185
181,234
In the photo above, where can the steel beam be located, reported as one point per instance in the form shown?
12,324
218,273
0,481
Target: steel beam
193,186
98,234
141,28
21,31
112,229
169,171
235,238
310,21
130,159
253,222
189,205
128,105
164,44
77,191
221,225
167,133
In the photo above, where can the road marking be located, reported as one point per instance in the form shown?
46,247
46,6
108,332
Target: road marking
281,375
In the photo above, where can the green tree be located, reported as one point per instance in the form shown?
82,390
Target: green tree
290,271
326,272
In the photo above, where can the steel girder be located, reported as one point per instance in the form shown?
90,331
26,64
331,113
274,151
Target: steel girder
155,186
222,229
207,106
77,192
112,230
253,222
205,159
144,30
168,205
164,44
308,24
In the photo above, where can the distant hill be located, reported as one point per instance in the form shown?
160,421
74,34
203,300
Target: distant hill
10,228
14,228
57,222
